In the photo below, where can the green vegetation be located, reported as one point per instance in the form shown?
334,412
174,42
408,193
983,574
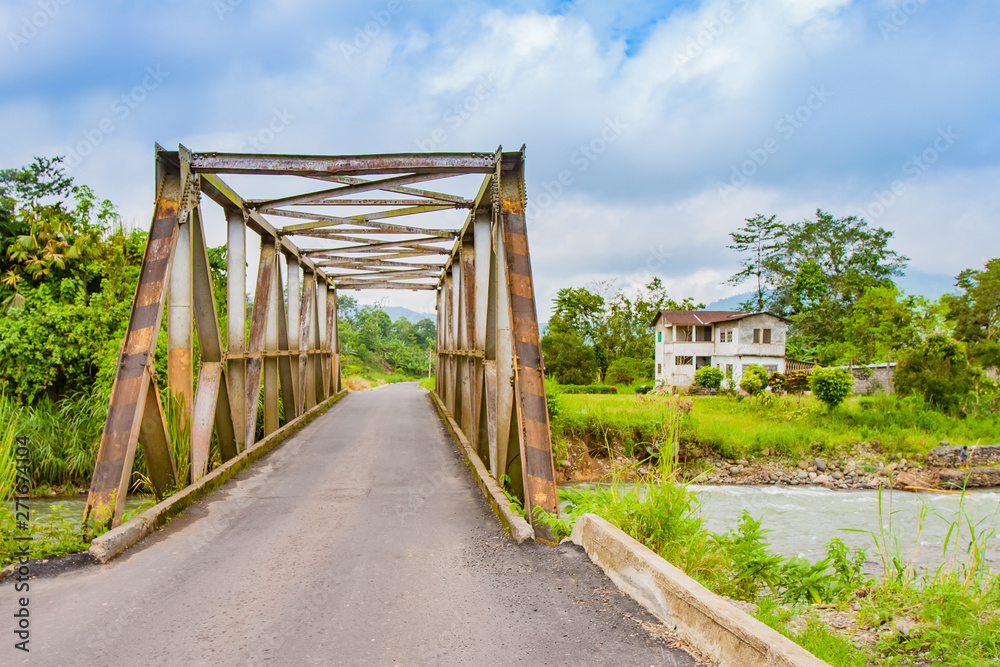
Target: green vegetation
592,337
709,377
943,617
736,429
830,385
375,348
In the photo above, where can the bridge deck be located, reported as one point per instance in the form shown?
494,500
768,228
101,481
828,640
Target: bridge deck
361,541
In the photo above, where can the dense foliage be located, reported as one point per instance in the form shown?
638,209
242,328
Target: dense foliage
709,377
830,385
372,344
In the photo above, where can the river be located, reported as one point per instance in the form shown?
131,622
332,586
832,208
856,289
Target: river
803,520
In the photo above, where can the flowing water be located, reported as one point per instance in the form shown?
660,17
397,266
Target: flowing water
69,508
803,520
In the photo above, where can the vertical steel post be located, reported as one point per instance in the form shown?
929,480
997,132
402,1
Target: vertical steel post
270,356
180,329
532,410
294,301
236,324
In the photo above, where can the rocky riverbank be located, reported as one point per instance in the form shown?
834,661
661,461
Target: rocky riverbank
847,473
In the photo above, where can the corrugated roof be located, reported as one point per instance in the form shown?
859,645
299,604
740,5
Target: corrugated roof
696,317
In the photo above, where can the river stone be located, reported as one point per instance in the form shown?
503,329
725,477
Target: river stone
802,474
820,479
803,465
812,475
734,470
837,475
820,465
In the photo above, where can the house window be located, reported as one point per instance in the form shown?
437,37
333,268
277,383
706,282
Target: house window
729,369
659,336
722,335
756,335
767,337
771,369
659,369
702,362
684,361
729,336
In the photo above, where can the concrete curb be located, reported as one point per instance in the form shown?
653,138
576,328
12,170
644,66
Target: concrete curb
115,541
726,634
514,524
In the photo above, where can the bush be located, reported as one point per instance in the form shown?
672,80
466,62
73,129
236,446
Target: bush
568,358
627,370
939,371
587,389
797,382
709,377
776,381
754,380
831,385
552,398
644,389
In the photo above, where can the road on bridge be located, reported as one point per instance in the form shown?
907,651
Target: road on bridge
362,540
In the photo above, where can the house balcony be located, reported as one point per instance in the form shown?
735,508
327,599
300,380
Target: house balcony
694,348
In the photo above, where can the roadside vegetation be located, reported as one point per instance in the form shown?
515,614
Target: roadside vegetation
830,607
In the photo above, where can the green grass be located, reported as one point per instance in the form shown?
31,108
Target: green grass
427,383
736,428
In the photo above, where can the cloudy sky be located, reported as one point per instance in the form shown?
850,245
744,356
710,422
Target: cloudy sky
669,122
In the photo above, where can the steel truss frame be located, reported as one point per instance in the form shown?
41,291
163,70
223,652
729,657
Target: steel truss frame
490,373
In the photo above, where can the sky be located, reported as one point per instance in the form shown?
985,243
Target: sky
652,129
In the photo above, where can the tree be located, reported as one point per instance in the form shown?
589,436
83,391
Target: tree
626,370
881,323
568,359
760,240
975,312
939,371
825,267
831,385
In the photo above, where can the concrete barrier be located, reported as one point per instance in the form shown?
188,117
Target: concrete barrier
115,541
515,524
731,637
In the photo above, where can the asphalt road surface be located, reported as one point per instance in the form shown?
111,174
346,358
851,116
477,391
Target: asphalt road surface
362,540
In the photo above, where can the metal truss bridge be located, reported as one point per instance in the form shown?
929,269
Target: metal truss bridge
336,223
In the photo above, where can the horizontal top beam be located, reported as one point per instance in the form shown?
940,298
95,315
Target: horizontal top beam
345,165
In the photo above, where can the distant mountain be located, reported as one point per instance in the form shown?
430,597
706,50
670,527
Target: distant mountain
395,312
730,302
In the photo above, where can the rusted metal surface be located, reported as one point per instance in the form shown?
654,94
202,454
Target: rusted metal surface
532,411
297,165
489,367
258,330
116,453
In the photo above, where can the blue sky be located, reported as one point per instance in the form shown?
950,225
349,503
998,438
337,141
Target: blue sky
704,113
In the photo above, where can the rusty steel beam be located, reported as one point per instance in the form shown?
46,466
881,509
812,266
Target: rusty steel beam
404,190
116,452
385,202
538,468
318,221
297,165
236,300
366,186
386,285
258,332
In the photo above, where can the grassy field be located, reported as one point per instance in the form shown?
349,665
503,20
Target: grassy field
736,428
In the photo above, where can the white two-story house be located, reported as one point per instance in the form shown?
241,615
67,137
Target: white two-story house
687,340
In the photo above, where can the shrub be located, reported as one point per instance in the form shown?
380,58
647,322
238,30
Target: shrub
776,381
627,370
797,382
568,358
709,377
939,370
831,385
587,389
644,389
552,398
754,380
